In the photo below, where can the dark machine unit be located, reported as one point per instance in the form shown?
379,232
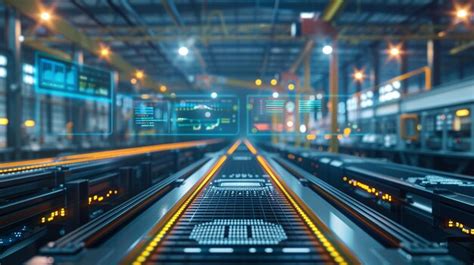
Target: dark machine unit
40,204
436,205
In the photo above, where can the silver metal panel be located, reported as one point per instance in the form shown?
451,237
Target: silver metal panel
387,110
451,94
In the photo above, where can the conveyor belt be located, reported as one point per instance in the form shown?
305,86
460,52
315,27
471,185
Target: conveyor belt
240,212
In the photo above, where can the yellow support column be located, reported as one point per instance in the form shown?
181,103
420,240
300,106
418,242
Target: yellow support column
333,83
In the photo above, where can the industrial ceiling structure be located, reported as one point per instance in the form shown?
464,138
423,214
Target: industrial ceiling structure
246,39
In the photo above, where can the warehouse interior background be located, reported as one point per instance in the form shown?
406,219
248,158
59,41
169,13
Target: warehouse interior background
104,103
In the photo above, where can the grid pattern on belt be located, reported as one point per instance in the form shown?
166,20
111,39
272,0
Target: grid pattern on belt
256,210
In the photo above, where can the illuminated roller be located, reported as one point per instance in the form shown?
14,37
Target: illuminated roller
12,167
240,212
435,205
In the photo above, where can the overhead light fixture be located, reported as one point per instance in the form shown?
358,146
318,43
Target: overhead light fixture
307,15
258,82
462,13
327,49
133,81
213,95
163,88
394,51
291,86
275,94
104,52
21,38
273,82
359,75
45,16
183,51
139,74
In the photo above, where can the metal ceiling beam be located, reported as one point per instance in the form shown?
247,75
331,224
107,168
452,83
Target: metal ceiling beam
330,12
32,9
282,40
39,46
278,38
388,7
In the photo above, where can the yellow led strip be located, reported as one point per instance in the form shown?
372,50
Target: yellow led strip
53,216
333,252
99,198
462,227
234,147
12,167
371,190
250,147
151,246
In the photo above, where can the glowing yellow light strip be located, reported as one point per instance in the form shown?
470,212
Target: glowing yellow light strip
234,147
250,147
371,190
99,198
333,252
79,158
53,216
151,246
463,228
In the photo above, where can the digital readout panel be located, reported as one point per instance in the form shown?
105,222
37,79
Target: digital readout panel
285,115
67,79
187,115
88,91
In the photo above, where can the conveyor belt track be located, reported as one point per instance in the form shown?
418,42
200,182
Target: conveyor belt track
242,214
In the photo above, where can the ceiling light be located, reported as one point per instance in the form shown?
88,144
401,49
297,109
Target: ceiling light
307,15
273,82
213,95
139,74
183,51
163,88
394,51
45,16
359,75
275,95
133,81
104,52
462,13
258,82
327,49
